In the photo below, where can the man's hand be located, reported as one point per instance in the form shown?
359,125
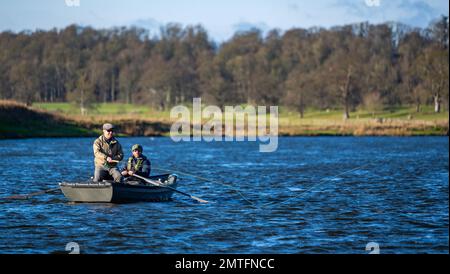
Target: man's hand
109,159
130,173
124,172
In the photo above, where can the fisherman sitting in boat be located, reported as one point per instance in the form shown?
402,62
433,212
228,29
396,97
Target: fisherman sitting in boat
108,153
137,164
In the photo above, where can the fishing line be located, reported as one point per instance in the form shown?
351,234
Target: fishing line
264,206
250,203
267,205
208,180
320,182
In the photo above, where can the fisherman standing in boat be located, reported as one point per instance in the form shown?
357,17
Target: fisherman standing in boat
108,153
137,164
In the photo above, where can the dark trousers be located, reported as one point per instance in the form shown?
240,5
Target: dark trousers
102,173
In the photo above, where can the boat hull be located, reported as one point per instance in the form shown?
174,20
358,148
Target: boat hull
110,192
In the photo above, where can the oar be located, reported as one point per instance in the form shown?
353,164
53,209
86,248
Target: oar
155,183
26,196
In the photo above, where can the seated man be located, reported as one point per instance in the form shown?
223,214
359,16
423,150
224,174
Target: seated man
137,164
107,152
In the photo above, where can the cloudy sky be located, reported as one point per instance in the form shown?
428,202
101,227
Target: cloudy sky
220,17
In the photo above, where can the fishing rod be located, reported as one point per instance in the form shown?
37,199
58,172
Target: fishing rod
27,196
155,183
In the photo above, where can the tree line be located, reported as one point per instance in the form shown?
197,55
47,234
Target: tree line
344,67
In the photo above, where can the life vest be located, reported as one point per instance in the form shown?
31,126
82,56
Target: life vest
136,166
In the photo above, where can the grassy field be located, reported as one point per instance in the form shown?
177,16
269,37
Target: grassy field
403,121
115,109
105,111
65,120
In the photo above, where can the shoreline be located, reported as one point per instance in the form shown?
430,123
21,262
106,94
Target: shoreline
133,128
18,121
166,135
280,136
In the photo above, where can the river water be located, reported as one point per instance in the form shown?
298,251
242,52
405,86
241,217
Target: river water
313,195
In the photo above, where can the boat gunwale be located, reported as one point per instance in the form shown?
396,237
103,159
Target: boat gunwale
108,183
123,192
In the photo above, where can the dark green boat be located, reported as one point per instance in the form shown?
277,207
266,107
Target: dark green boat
128,192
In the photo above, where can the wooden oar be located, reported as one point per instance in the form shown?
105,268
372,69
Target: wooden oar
26,196
155,183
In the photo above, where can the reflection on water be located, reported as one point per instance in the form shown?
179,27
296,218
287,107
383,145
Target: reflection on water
314,195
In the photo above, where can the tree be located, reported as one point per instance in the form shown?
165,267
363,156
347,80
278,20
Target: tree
438,31
434,72
128,80
381,72
410,48
298,84
82,93
239,62
345,67
25,81
435,61
362,64
155,83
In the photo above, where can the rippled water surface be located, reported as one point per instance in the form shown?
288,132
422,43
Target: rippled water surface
313,195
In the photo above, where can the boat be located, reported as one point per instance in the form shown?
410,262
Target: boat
127,192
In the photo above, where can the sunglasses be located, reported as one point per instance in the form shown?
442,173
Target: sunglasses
110,131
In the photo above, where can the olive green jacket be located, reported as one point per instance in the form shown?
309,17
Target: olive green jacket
103,150
141,166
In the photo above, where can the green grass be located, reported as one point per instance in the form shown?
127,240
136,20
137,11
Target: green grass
397,121
118,109
56,107
107,110
401,113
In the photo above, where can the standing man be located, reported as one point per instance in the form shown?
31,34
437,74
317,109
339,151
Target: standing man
137,164
108,153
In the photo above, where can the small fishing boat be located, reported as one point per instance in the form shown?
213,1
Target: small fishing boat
160,189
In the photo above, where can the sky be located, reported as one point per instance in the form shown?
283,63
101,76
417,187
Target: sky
221,18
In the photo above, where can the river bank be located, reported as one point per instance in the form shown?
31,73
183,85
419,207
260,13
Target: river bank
20,121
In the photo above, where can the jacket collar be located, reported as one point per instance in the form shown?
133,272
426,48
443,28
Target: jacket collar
140,158
113,140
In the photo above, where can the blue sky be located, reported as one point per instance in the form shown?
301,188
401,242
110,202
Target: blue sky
220,18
